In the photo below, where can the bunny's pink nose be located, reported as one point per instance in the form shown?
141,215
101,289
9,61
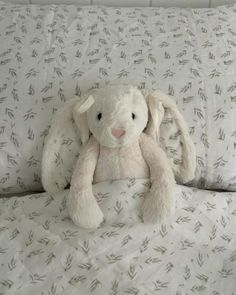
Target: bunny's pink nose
117,132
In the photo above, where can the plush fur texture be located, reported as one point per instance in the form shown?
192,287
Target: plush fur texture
117,117
159,103
127,160
54,176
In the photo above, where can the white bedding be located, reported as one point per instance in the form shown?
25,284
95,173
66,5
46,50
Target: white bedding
42,252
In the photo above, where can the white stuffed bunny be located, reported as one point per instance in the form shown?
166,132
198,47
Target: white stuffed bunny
120,131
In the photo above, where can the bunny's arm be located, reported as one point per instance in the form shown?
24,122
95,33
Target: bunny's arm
83,174
82,205
159,202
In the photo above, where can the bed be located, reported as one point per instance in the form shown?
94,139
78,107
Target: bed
49,54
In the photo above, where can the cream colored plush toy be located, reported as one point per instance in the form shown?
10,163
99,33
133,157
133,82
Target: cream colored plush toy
118,132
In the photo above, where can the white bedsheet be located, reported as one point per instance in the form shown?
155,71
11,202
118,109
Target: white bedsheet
43,252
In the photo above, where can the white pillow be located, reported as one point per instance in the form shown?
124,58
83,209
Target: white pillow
50,53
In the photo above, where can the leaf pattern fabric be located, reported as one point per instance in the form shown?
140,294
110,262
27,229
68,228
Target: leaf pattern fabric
48,54
42,251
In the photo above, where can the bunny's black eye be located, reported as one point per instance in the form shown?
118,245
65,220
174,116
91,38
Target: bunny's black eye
133,116
99,116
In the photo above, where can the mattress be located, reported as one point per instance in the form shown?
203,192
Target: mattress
43,252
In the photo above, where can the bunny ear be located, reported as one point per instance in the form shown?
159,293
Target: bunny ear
167,126
79,115
69,130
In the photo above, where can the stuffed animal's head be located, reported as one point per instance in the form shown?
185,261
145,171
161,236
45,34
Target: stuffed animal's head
115,115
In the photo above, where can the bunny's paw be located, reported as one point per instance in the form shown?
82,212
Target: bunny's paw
156,209
84,210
